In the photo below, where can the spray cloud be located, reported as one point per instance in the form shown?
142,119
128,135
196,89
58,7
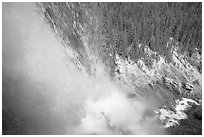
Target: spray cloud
44,93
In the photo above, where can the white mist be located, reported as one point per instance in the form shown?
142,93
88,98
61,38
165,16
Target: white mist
44,93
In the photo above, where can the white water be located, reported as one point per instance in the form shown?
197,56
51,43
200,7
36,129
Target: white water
45,94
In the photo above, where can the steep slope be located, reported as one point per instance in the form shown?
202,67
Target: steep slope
167,74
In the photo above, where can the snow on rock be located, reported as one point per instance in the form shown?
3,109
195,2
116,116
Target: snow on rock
184,67
171,118
178,75
148,51
127,71
149,72
129,68
137,73
183,104
161,63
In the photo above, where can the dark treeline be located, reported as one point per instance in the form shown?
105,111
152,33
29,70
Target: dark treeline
153,24
120,27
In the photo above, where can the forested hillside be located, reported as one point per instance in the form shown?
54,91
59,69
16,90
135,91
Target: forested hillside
102,68
119,28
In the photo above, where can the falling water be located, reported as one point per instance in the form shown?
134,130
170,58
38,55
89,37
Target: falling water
44,93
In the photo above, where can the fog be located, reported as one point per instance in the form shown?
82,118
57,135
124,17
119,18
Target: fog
44,93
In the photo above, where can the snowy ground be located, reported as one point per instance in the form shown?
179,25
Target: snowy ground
172,118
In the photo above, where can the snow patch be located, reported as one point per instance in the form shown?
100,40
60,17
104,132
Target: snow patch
171,118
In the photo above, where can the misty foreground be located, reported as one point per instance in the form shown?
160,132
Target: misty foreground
66,72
